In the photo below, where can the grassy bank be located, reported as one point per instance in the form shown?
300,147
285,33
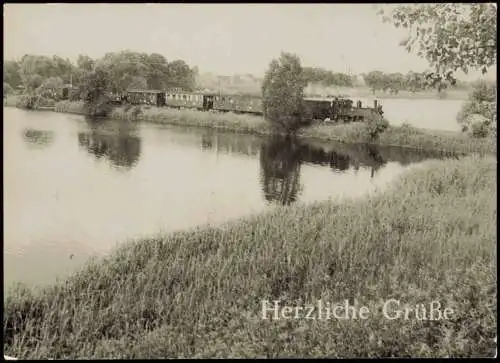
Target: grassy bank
70,107
199,293
402,136
243,123
405,136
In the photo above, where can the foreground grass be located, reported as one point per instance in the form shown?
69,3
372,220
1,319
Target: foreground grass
198,293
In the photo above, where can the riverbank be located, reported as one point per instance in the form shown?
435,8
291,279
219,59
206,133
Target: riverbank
401,136
404,136
430,237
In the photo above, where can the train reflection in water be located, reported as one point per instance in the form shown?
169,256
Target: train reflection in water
281,159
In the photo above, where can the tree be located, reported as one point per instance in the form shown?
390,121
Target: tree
283,92
95,91
32,65
138,83
11,74
63,68
374,80
395,82
414,81
85,63
50,87
32,82
180,75
157,75
327,78
451,36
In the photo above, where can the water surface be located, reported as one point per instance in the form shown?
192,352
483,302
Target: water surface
75,187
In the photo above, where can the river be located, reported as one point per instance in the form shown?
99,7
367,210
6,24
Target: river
74,187
432,114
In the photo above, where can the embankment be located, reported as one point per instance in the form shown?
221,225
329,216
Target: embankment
401,136
430,237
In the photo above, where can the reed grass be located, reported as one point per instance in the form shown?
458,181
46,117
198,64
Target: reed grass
198,293
405,136
76,107
185,117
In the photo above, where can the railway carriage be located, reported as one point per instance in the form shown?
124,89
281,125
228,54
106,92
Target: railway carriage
146,97
334,109
238,104
185,100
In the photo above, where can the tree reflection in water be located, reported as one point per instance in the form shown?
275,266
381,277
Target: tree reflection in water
38,138
280,169
118,143
281,159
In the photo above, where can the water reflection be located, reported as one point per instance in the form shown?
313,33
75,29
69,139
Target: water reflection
119,143
280,159
231,143
38,138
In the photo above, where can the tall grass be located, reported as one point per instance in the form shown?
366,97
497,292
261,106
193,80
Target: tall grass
405,136
70,107
198,293
185,117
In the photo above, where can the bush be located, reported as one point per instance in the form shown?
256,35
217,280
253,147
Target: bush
480,129
374,128
136,111
26,101
481,104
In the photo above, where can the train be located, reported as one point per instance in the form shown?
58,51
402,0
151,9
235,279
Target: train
334,109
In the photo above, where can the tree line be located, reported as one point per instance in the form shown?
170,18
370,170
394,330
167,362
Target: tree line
411,82
327,78
125,70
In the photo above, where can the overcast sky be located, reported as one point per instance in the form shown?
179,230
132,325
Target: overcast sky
218,38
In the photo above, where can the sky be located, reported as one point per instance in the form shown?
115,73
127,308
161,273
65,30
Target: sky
218,38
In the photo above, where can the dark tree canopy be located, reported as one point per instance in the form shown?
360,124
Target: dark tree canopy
283,92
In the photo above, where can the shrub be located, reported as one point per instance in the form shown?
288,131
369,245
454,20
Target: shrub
481,104
374,128
480,129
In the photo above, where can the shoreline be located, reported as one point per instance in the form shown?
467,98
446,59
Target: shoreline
405,136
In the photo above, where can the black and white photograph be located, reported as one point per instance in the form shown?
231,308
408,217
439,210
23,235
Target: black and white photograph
249,180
